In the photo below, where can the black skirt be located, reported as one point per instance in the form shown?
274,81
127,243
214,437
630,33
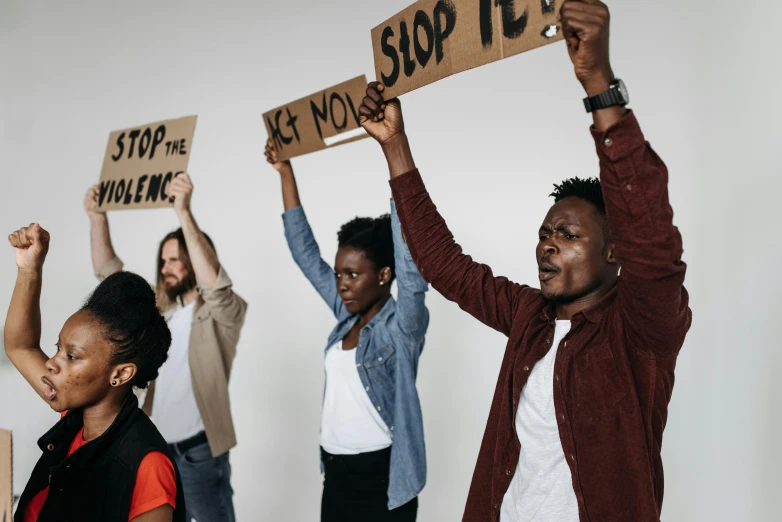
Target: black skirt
355,489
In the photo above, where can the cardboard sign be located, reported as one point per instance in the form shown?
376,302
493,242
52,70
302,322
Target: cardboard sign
303,126
6,476
433,39
141,161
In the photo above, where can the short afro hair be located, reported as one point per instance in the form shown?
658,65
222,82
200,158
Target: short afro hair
372,236
124,304
588,189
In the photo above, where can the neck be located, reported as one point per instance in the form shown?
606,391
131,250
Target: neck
367,316
99,417
189,297
566,311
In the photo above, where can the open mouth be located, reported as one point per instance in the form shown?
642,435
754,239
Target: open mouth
50,392
547,270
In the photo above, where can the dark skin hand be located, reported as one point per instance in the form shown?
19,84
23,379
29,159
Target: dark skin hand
574,253
364,289
79,375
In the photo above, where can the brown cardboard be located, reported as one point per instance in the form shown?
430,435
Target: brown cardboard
141,161
301,126
6,476
445,37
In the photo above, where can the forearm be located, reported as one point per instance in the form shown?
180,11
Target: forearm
202,255
398,155
290,191
23,322
100,242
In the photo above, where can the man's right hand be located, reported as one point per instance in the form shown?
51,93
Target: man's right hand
271,157
380,118
91,201
30,247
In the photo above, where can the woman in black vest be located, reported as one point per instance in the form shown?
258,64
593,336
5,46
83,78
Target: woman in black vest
104,460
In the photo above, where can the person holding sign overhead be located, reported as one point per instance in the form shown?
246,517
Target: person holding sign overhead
575,427
189,401
104,460
372,437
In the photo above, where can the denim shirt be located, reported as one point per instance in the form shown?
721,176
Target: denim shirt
387,353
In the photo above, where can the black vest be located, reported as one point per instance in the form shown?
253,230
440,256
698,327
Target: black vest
95,484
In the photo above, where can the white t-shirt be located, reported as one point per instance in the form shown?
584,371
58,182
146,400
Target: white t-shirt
174,409
349,423
542,488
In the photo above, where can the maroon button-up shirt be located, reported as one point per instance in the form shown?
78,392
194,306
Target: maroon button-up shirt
614,371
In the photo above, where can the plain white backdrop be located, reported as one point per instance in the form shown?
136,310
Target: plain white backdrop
489,143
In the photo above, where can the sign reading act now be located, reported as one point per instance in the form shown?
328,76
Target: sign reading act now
433,39
140,162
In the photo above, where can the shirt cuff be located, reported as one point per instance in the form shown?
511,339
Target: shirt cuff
407,185
620,139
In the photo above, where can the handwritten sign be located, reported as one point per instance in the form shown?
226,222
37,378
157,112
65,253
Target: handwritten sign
6,476
433,39
306,125
140,162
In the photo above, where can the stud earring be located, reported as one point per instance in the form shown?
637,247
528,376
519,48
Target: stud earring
113,383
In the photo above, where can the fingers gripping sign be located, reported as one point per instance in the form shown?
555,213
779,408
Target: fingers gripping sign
380,118
31,245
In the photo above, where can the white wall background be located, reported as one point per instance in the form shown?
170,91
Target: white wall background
490,142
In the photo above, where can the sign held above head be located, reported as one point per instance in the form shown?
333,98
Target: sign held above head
433,39
311,123
141,161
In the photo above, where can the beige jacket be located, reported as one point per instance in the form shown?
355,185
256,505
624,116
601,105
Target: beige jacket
217,320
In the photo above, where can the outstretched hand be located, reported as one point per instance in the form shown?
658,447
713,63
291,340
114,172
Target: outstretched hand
31,245
380,118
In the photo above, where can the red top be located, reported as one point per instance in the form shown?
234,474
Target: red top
155,484
614,371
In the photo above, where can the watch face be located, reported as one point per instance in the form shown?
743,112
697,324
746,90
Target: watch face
620,86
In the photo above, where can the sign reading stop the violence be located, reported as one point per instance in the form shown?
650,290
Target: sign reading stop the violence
433,39
308,124
140,163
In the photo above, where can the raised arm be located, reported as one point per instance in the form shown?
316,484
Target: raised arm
492,300
104,260
412,314
635,189
301,240
23,322
214,284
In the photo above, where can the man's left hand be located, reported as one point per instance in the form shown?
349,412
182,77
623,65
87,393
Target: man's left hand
585,27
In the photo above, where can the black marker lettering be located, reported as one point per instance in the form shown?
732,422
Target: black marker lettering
139,188
344,124
104,187
512,27
485,22
389,51
157,139
143,143
166,181
422,21
111,191
182,150
175,147
154,187
548,6
133,135
121,146
128,194
443,7
404,47
353,109
319,113
120,191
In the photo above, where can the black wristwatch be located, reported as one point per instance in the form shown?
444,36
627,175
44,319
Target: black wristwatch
615,95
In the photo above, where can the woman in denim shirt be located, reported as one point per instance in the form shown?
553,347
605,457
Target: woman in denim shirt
372,438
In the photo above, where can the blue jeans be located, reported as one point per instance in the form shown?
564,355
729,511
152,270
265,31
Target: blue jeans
207,484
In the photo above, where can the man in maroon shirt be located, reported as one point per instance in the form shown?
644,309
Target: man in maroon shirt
611,374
